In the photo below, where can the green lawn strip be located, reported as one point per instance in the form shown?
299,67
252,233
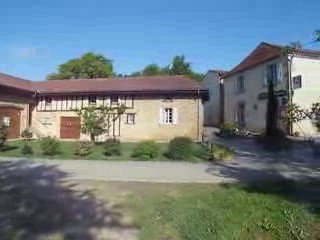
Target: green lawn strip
202,212
67,149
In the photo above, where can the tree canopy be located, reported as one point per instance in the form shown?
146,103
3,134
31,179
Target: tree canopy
151,70
88,66
178,66
91,65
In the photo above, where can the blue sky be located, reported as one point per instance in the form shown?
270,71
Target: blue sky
37,35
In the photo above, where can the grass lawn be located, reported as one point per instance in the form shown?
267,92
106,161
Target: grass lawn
67,149
206,212
38,202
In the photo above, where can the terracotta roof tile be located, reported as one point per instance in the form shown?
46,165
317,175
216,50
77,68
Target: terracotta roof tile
265,52
15,82
128,84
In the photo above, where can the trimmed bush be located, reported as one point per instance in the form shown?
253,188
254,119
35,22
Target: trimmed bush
26,149
49,145
146,150
112,147
3,134
83,149
220,152
180,148
228,129
26,134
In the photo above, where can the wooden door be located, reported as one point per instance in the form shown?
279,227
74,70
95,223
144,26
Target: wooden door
11,117
70,128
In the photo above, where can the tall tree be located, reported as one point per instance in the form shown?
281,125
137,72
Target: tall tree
272,111
179,66
88,66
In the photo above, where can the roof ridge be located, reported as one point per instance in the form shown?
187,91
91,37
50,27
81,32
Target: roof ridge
12,76
114,78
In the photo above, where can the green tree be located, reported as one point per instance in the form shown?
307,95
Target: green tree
96,120
179,66
151,70
88,66
136,74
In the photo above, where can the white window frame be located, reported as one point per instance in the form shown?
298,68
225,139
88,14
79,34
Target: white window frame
131,121
168,116
296,79
274,75
6,121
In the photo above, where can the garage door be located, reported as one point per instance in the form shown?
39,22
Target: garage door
70,128
10,116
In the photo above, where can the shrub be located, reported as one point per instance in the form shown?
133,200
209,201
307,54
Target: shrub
26,149
26,134
49,146
112,147
146,150
3,134
180,148
220,152
228,129
83,149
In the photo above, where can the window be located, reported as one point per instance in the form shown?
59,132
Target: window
168,116
131,118
5,121
240,84
114,100
92,100
168,113
48,101
297,82
273,73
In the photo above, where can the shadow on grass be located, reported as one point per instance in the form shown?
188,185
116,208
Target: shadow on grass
7,148
36,201
302,188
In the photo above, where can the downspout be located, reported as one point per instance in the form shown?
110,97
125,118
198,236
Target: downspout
290,89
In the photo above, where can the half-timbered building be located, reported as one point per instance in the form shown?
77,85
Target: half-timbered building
158,108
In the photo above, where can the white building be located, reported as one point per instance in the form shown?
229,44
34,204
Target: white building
245,86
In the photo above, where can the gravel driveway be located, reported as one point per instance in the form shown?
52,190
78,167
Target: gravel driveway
245,167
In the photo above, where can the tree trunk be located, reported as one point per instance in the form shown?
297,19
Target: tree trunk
272,111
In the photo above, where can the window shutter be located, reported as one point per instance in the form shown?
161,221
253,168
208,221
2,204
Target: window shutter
236,115
279,73
265,78
161,116
175,116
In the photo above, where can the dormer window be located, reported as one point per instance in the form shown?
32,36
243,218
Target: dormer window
92,100
114,100
48,101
